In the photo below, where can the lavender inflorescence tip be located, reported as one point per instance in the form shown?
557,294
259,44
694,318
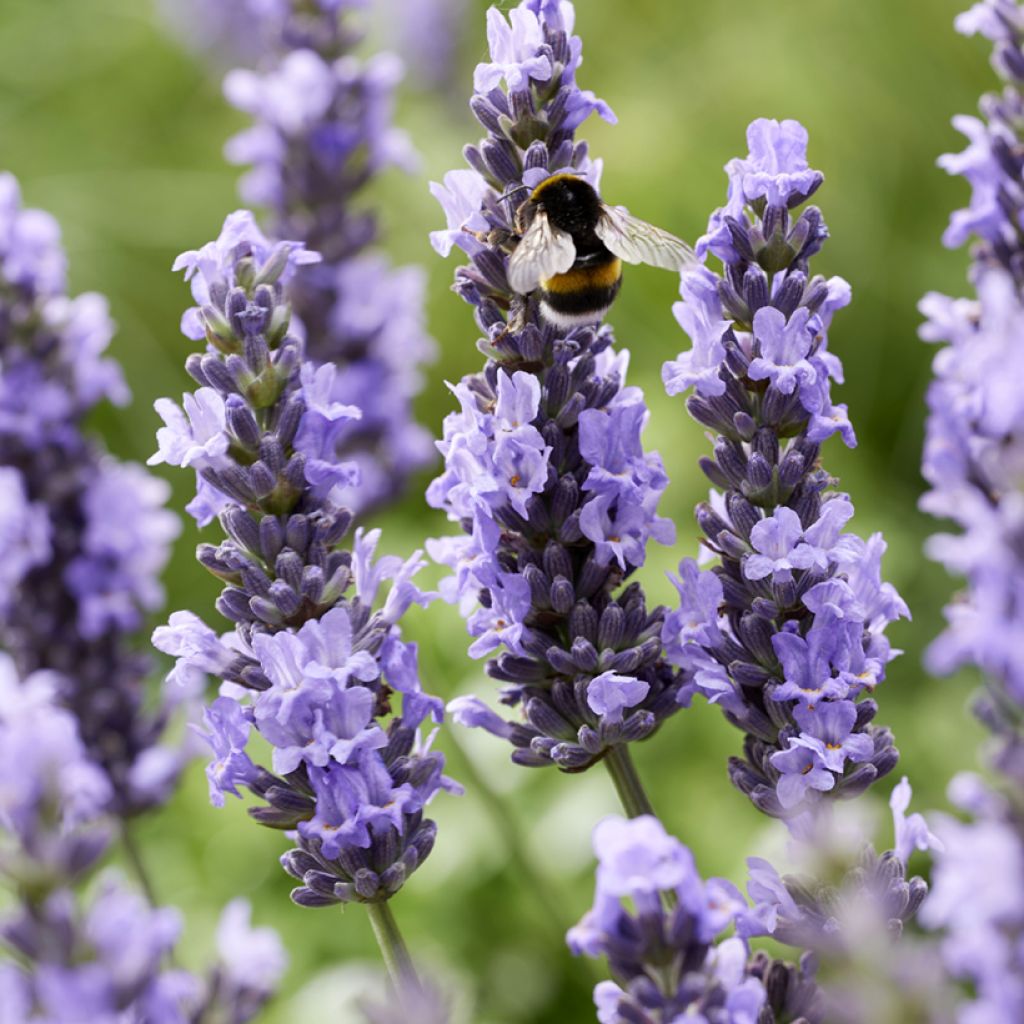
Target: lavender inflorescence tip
663,931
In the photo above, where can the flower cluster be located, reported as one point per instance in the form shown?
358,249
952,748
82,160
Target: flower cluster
974,447
847,911
977,899
787,632
322,131
312,664
83,537
104,962
662,950
544,466
974,464
426,34
871,899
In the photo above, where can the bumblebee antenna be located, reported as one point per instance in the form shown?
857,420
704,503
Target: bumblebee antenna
510,192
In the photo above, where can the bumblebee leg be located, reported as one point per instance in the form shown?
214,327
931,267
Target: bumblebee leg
515,323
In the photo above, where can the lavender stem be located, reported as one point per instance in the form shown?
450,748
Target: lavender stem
392,947
619,763
138,864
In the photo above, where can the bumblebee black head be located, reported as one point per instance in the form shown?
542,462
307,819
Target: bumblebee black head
572,204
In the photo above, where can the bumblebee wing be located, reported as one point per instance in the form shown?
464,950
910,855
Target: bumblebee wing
542,252
636,241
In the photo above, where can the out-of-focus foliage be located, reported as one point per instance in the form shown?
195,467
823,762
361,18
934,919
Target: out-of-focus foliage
111,126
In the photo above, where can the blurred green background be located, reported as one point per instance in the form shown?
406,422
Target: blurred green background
113,126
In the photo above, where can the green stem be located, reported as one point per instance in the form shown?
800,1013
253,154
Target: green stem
627,783
631,792
548,898
512,839
392,947
134,854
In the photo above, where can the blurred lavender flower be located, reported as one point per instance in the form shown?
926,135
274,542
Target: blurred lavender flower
250,963
974,446
873,898
787,633
424,33
974,462
665,952
83,537
322,131
845,911
544,466
421,1003
52,795
977,899
313,663
103,962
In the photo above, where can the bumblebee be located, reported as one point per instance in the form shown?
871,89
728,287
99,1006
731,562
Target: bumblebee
572,246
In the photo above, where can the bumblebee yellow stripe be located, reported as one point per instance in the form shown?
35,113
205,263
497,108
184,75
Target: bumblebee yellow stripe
551,181
584,278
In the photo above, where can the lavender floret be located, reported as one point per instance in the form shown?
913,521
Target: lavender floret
544,467
787,632
315,662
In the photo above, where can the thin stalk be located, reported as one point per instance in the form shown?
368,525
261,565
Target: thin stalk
635,800
512,838
393,948
627,783
134,855
535,880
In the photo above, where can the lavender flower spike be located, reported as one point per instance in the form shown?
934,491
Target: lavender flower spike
83,537
544,467
668,964
322,131
973,461
315,662
787,633
974,444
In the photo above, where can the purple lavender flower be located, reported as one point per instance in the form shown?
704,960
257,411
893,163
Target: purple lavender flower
322,130
24,535
250,963
845,910
101,960
83,537
315,663
973,460
52,795
810,913
977,902
544,466
668,960
787,633
973,457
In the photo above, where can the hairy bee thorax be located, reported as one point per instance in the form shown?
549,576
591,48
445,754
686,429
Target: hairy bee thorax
571,204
